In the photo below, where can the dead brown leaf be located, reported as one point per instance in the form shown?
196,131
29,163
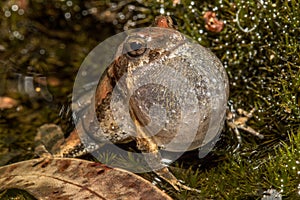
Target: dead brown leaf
69,178
7,102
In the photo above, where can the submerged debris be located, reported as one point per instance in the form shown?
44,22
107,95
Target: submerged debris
271,194
7,102
212,23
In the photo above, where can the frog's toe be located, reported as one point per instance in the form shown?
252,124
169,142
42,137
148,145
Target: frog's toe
165,174
49,139
43,162
42,152
237,121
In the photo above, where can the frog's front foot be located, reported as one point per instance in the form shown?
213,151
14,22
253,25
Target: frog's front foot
45,156
237,120
42,152
52,143
49,139
153,157
165,174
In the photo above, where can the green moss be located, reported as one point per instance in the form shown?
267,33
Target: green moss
241,178
16,194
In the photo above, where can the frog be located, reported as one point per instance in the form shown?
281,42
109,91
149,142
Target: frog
156,51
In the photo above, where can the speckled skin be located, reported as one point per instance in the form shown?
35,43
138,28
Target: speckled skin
201,69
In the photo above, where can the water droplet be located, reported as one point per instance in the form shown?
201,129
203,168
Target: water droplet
69,3
42,51
84,12
7,13
162,11
14,8
21,12
67,15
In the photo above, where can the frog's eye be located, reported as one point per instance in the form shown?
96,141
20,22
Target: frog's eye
135,47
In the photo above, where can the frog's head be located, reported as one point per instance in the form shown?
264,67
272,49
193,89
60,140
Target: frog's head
144,46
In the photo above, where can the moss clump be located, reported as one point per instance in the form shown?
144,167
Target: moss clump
241,178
